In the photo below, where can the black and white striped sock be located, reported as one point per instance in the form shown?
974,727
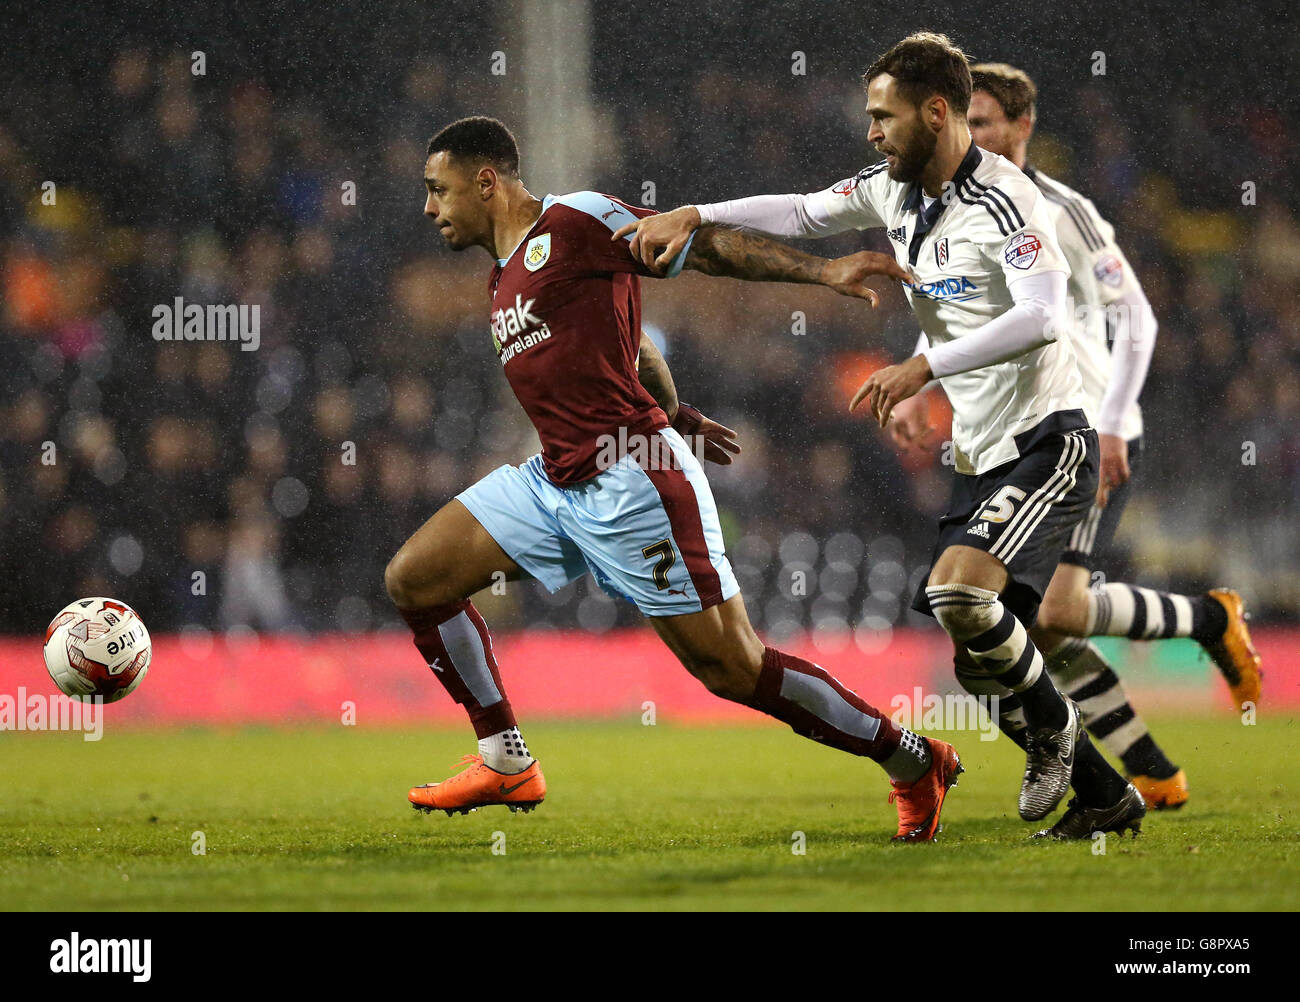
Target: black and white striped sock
1093,780
1011,715
1000,644
1083,674
1124,610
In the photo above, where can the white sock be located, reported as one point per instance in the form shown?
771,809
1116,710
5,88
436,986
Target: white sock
910,761
505,751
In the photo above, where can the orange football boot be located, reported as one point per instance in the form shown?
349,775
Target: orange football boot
919,803
481,786
1233,652
1162,793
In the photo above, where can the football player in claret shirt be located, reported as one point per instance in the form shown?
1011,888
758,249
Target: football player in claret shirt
615,491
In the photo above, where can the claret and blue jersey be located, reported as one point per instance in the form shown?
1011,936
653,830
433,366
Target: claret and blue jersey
566,324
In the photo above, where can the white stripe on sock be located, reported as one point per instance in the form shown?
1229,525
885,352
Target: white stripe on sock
1103,703
1122,607
1120,740
465,648
821,700
1155,616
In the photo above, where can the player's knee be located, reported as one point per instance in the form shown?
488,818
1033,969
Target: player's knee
408,585
395,580
964,611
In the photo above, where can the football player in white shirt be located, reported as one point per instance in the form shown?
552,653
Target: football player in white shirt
1102,289
988,287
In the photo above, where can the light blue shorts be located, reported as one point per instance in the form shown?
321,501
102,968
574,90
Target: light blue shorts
650,536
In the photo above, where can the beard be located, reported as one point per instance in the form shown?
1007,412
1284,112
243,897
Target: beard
914,154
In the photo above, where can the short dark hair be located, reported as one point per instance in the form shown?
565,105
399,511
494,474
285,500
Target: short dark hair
1011,88
478,139
924,64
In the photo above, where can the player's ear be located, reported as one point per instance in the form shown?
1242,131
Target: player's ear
935,112
487,182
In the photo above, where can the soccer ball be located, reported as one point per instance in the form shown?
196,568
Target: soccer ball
97,647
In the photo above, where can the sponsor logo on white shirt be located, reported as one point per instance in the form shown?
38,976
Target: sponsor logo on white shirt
1022,251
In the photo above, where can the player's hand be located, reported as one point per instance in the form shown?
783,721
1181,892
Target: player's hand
846,275
706,438
667,230
719,442
910,424
1114,466
889,386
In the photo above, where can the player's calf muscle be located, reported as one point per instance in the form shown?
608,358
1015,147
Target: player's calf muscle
1065,605
718,646
1045,639
1064,618
725,676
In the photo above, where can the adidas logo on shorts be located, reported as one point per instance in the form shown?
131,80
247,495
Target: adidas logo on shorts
981,530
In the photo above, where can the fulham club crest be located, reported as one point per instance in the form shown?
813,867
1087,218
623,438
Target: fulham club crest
941,253
538,252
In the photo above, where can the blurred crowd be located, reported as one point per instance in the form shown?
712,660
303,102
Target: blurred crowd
216,488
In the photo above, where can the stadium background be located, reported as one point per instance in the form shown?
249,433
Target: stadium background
174,459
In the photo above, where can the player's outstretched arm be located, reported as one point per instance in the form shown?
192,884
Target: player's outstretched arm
656,240
751,258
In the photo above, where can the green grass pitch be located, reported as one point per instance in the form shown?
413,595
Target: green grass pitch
637,817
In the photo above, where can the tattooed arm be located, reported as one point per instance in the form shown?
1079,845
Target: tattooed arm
752,258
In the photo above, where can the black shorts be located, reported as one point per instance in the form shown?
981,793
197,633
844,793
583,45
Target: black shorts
1091,537
1024,511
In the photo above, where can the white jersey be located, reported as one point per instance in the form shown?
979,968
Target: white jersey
995,228
1099,275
